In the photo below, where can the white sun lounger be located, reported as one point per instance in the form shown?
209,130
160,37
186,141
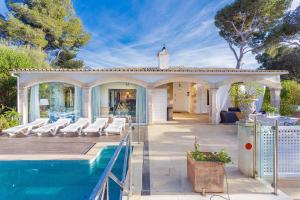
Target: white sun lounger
75,128
116,127
24,130
52,129
96,127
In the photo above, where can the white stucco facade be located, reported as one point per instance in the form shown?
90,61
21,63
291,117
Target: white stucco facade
150,78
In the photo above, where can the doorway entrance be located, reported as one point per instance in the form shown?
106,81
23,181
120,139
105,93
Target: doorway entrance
186,102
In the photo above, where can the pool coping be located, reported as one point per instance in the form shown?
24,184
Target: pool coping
90,155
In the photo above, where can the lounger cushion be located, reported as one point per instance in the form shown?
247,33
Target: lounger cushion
77,126
97,126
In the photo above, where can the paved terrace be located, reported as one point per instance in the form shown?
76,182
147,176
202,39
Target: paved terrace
165,169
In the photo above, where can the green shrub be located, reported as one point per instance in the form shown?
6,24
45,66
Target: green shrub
3,123
266,100
221,156
234,94
12,117
270,109
290,96
9,117
16,58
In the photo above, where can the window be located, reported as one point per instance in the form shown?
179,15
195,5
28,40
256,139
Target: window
54,101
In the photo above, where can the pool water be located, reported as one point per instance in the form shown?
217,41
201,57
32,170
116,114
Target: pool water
49,180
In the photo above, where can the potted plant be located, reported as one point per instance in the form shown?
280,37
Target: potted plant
270,110
205,170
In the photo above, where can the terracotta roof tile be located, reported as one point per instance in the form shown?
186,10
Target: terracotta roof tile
149,69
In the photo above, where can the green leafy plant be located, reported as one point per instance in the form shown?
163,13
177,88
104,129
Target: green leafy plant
270,109
221,156
8,117
244,93
3,123
234,95
12,117
290,97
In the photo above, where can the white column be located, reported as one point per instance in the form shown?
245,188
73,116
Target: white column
198,99
275,97
149,106
23,103
213,114
87,110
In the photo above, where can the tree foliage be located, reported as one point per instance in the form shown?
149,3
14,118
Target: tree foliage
66,59
290,97
47,24
281,47
286,32
282,58
243,21
15,58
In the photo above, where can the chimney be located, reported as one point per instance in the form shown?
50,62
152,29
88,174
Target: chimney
163,58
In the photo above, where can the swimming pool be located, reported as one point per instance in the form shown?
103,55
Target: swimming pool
54,179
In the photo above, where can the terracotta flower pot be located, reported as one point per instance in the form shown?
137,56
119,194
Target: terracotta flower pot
205,176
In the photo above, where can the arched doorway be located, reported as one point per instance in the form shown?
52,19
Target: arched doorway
187,99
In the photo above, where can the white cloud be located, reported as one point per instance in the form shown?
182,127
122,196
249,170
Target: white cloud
188,31
295,4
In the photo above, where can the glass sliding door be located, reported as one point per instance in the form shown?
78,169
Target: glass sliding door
122,102
119,99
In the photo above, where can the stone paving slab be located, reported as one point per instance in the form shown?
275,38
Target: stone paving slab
168,145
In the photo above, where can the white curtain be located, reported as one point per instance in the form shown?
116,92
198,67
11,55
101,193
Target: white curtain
260,100
96,103
222,99
78,102
34,104
141,105
57,97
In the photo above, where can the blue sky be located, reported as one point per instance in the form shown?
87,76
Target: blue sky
130,33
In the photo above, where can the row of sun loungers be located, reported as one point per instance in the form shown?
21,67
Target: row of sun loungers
82,126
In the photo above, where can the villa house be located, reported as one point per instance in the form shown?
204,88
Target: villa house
145,93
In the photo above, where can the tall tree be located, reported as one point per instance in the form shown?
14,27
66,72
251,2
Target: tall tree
243,21
48,24
286,32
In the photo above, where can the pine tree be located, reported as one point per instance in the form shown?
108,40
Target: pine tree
48,24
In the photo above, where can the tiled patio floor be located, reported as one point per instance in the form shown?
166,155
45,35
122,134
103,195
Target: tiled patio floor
168,144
